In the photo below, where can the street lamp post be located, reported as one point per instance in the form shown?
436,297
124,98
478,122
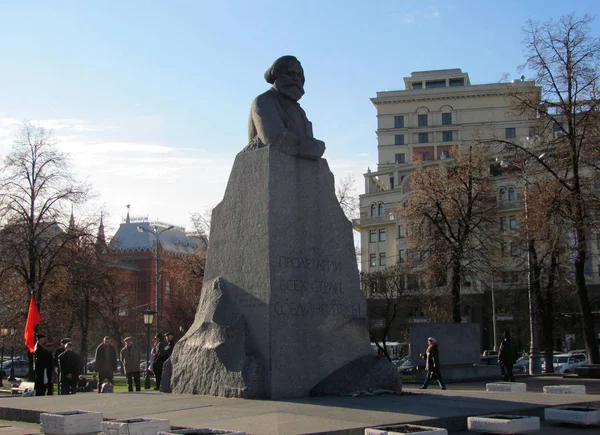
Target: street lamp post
157,235
148,319
494,316
12,378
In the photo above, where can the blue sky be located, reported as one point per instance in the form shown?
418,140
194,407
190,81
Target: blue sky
151,98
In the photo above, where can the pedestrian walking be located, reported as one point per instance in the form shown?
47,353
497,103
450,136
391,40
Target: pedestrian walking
43,367
507,357
68,363
130,360
432,364
106,361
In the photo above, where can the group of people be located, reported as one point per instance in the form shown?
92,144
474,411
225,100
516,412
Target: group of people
64,365
507,357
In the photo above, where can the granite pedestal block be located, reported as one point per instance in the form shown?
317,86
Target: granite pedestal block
71,422
135,426
500,423
564,389
281,310
400,429
581,415
506,386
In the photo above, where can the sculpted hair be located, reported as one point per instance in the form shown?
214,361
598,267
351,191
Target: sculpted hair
271,73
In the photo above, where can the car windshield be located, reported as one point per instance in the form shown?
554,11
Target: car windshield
561,359
407,363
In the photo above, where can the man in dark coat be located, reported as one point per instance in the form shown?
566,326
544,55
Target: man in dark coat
43,367
432,364
277,120
161,356
507,356
106,361
68,363
57,353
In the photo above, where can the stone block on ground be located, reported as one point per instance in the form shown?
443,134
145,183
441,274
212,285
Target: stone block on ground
201,431
506,387
400,429
71,422
281,308
580,415
502,423
564,389
136,426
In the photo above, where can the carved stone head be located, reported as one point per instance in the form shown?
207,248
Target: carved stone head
287,76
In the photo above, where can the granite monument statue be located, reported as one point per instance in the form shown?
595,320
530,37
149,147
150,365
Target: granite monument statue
281,313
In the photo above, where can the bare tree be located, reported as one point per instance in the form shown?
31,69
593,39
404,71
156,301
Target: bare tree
450,219
566,61
36,189
385,290
347,197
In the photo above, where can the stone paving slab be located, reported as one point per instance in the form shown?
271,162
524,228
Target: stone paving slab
331,415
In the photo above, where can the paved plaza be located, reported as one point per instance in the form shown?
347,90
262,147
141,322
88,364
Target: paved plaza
329,415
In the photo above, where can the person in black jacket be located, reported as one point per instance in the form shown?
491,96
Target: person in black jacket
68,363
507,356
57,353
432,364
106,361
43,367
162,353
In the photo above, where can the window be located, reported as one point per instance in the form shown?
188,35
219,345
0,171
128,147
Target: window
423,137
373,210
399,121
372,236
373,260
502,194
445,155
425,156
533,131
512,194
447,136
436,84
400,158
402,232
510,132
457,82
381,209
598,241
503,223
422,120
513,222
167,290
399,139
503,249
382,259
418,85
513,250
401,256
382,235
391,182
446,118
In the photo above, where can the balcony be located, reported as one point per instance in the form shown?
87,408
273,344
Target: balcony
510,205
373,220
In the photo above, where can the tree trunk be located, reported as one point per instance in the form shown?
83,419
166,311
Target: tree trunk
456,292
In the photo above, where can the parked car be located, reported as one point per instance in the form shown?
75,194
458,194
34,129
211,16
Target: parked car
521,366
21,367
407,367
567,362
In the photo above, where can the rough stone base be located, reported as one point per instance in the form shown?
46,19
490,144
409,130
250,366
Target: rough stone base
361,374
506,386
135,426
400,429
71,422
499,423
564,389
574,415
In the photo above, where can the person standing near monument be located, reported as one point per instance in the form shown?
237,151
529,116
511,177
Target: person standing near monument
43,367
507,357
161,356
130,360
277,120
106,361
68,365
432,364
57,353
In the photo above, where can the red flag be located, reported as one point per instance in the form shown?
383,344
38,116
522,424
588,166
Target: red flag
33,318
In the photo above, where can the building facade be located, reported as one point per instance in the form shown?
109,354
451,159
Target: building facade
436,111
